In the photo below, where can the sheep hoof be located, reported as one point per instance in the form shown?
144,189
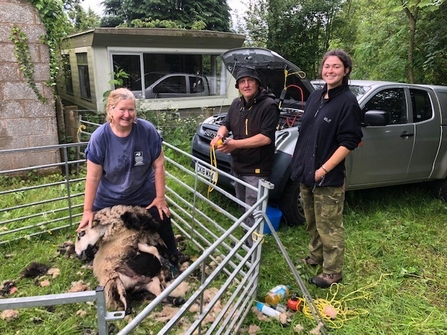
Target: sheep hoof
176,301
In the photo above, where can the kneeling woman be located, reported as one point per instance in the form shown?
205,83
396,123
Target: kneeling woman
125,166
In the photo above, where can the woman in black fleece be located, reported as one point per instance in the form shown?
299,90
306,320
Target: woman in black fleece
330,129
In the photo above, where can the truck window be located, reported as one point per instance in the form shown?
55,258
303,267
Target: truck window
421,103
173,84
391,101
196,84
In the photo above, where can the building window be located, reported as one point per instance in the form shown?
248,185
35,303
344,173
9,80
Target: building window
163,76
84,79
67,74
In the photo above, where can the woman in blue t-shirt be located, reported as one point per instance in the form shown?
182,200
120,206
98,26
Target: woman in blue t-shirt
125,166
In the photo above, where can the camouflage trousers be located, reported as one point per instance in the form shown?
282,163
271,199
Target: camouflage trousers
323,210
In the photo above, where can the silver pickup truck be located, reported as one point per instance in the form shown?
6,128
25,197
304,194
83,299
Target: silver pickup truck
404,136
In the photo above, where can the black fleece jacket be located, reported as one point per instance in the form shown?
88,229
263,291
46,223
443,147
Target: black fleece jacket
246,119
326,125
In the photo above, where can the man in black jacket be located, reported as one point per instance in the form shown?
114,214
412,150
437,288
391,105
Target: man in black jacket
252,119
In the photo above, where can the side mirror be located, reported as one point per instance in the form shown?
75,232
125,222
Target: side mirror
376,118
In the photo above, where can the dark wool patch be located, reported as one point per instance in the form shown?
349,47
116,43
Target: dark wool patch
138,221
34,270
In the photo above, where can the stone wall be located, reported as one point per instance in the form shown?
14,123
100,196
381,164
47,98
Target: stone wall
24,120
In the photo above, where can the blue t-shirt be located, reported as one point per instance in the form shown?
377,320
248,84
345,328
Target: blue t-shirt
128,175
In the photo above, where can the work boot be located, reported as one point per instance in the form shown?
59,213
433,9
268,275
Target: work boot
325,280
310,261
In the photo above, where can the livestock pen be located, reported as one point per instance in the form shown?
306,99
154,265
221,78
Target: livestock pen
206,216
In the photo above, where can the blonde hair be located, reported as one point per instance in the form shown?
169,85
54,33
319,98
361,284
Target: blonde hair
116,96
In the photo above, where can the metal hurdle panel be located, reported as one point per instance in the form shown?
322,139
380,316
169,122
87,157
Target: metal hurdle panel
207,216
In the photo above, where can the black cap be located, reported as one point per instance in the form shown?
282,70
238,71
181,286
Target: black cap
247,72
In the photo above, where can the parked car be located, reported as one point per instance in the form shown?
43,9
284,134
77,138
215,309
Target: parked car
175,85
359,88
404,133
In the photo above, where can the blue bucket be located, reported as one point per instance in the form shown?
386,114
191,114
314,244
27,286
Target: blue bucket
274,215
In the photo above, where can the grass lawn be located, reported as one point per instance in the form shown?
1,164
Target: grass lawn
395,279
394,276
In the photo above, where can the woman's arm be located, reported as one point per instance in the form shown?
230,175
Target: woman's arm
94,174
159,173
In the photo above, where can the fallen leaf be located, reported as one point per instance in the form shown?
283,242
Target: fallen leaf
44,283
54,272
79,286
9,314
166,314
81,313
180,290
253,329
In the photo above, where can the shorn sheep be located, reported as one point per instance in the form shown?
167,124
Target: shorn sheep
130,253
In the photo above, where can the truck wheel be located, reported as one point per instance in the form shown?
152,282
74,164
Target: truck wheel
291,204
439,189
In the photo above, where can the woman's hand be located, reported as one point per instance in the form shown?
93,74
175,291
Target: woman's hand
320,174
87,219
162,206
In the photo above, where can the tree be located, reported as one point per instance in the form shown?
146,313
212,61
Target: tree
301,32
431,56
412,10
393,39
83,20
214,14
255,24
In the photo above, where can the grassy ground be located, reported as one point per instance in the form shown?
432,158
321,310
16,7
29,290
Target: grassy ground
394,276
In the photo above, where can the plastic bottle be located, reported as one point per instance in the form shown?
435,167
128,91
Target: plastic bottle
281,308
276,294
268,310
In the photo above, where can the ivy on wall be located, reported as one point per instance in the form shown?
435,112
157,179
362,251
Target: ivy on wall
23,56
56,23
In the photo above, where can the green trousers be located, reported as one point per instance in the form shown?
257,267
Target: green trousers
323,210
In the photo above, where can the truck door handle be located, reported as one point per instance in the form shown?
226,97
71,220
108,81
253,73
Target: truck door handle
406,134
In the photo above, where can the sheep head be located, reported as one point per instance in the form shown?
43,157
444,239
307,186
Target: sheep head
86,240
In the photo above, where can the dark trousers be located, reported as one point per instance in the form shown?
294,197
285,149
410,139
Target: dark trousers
166,232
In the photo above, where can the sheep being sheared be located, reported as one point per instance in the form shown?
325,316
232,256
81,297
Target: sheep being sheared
131,254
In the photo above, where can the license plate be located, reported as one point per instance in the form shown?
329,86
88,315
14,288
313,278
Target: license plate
205,172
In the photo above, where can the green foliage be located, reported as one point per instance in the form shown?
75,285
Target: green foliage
118,80
309,30
389,31
432,56
83,20
255,20
379,35
57,25
148,23
23,56
209,14
55,16
176,130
